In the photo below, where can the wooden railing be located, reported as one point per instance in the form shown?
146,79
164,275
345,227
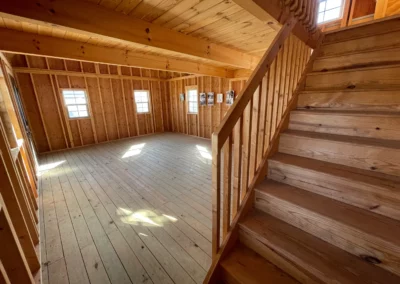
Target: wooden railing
241,143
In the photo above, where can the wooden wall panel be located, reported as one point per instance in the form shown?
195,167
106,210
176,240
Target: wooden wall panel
46,101
120,109
97,112
32,112
111,103
108,107
130,108
208,117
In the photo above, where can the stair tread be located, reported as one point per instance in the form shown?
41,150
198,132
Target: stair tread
376,225
246,266
388,182
357,69
369,50
346,139
349,90
325,261
373,113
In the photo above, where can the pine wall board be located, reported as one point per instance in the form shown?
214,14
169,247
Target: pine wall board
208,117
112,109
111,105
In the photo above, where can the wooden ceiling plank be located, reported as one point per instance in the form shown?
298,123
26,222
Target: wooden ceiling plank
110,4
200,16
92,19
264,10
223,24
161,9
236,22
211,19
146,5
189,13
34,44
127,6
175,11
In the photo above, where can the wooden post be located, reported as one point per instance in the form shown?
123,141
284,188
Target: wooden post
15,264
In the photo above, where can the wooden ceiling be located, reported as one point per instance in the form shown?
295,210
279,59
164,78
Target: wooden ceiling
218,21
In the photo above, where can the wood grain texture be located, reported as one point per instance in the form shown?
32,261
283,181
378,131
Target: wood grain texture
368,190
111,219
312,259
357,231
362,153
245,266
377,125
112,113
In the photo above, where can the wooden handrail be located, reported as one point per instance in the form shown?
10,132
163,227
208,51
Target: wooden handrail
223,136
237,109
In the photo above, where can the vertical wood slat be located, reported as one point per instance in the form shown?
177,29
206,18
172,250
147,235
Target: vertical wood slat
253,133
246,147
25,177
92,117
237,165
58,107
216,196
270,103
3,274
40,112
28,200
262,118
16,211
16,266
227,186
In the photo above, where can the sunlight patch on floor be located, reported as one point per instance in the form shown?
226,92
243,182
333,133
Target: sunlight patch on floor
146,218
134,150
205,155
47,167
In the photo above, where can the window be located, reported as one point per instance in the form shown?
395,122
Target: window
142,101
76,103
329,10
193,104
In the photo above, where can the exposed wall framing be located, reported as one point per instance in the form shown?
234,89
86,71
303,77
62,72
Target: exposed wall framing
110,92
208,118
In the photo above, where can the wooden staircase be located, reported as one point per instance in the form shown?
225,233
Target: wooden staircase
329,209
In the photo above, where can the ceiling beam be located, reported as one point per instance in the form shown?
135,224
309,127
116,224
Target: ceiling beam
94,20
27,43
263,10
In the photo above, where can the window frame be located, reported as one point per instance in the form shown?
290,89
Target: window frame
89,114
191,88
342,8
148,102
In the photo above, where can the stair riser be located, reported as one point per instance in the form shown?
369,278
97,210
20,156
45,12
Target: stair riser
276,256
355,60
371,78
331,231
374,199
362,44
379,159
381,127
365,101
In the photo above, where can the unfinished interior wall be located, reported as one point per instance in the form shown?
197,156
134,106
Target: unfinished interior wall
110,92
204,123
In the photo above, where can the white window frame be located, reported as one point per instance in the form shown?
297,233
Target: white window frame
189,101
76,104
343,3
137,103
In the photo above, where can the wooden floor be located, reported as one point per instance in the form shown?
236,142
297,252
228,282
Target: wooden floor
130,211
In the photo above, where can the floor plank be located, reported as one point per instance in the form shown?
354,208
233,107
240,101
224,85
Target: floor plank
129,211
